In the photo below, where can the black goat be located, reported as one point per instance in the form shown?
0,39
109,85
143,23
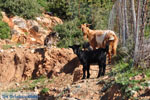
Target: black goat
88,57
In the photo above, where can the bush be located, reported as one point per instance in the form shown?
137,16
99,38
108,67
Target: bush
44,4
4,30
24,8
59,8
69,33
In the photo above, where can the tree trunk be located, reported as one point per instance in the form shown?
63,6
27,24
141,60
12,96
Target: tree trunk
141,34
123,24
120,18
126,20
137,35
134,19
143,18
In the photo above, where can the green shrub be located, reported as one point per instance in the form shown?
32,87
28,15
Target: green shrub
44,90
101,18
147,30
4,30
59,8
69,33
0,15
43,3
24,8
7,46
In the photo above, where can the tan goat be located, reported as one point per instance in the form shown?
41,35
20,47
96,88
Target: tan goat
99,38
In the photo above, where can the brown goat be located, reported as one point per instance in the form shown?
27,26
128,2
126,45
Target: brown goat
99,38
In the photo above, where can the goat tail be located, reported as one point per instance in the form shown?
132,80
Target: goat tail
115,44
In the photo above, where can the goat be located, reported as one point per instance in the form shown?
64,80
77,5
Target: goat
51,39
87,57
99,39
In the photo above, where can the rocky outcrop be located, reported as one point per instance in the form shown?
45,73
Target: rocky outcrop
20,64
31,31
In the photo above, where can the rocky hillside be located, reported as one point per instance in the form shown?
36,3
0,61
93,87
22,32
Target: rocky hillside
59,67
34,62
30,31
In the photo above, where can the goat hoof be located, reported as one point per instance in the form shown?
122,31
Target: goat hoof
83,78
88,76
102,75
98,76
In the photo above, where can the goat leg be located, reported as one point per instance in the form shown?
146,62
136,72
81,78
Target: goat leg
104,67
109,57
100,69
84,69
88,71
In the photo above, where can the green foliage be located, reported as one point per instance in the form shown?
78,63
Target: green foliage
0,15
69,33
37,81
78,13
147,31
44,90
86,11
24,8
125,74
100,21
4,30
44,4
7,46
59,8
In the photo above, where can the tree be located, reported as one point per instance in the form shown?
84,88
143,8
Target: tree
140,25
134,19
126,19
137,34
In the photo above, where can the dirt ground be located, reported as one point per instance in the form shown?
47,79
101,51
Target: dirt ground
55,74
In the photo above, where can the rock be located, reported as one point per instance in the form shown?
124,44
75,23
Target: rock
32,51
11,50
20,22
2,50
36,90
69,98
24,64
20,26
7,20
17,84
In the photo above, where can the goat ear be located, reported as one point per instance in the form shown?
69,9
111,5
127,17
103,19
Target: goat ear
88,25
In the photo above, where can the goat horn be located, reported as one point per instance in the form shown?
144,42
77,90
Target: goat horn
88,25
